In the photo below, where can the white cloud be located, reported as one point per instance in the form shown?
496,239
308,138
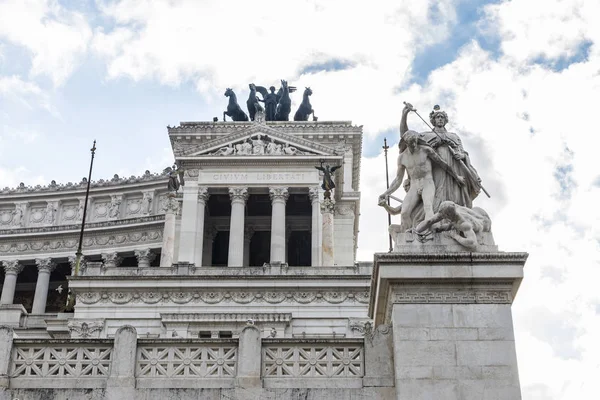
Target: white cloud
56,38
28,94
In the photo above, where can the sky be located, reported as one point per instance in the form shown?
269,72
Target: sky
519,79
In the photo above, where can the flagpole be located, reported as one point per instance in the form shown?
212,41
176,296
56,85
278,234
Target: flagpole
78,254
387,184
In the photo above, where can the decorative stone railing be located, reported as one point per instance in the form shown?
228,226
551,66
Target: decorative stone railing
314,360
60,363
186,363
132,362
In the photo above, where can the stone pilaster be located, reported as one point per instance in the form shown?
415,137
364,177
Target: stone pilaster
327,210
279,196
121,381
238,196
248,233
12,268
6,343
171,207
187,232
249,358
111,260
144,257
45,267
313,194
203,197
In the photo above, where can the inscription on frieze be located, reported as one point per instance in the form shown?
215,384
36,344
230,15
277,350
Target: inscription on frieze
259,177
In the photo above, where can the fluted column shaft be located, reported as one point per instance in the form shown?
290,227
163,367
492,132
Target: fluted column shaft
279,197
12,268
199,237
187,233
238,196
45,267
315,235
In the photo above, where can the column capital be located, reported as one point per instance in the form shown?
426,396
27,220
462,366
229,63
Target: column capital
82,263
238,193
45,264
144,255
12,267
328,206
111,259
171,204
203,194
278,193
313,193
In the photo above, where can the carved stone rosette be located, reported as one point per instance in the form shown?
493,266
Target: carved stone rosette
111,260
12,267
45,265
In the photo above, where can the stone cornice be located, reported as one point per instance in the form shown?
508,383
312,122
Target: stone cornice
72,188
284,126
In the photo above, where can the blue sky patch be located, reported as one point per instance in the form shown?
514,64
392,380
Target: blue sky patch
333,64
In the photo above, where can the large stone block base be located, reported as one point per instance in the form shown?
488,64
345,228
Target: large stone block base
452,324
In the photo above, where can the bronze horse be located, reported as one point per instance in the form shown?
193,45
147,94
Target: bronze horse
284,106
253,102
305,108
234,111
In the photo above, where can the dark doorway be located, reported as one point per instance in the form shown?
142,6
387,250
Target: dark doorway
59,288
299,249
260,248
220,251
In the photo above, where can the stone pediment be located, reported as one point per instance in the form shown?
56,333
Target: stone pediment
259,140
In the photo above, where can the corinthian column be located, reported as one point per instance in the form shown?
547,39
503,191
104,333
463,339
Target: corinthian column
238,196
278,196
12,268
45,267
202,199
315,234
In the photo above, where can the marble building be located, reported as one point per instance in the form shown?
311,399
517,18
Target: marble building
243,284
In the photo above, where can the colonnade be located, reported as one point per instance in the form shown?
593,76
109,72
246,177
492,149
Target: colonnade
192,238
45,266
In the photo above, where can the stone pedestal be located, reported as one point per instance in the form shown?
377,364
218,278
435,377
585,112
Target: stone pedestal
327,210
171,208
121,381
249,358
452,323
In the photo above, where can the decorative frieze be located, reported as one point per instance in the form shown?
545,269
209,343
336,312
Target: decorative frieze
115,206
146,203
215,297
85,329
18,215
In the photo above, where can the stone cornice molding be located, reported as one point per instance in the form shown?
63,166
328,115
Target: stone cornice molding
45,265
12,267
53,187
284,126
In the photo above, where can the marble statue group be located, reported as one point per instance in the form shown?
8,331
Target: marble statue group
440,187
277,106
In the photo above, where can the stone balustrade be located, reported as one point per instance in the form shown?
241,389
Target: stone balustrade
127,362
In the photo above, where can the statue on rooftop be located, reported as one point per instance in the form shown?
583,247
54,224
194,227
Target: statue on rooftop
175,178
270,100
305,108
253,102
234,111
284,103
